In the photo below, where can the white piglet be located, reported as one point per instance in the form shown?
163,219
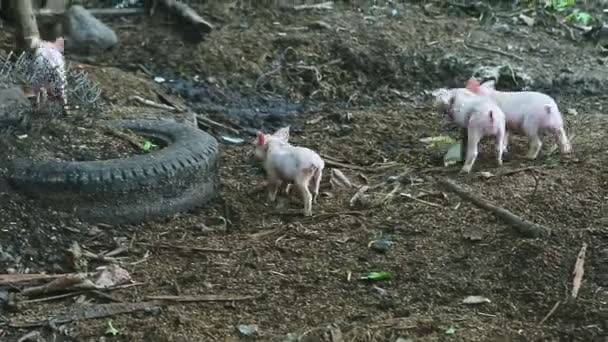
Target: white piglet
479,115
285,163
48,70
527,112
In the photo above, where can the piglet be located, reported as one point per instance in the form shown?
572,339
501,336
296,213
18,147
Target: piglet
285,163
478,115
48,70
527,112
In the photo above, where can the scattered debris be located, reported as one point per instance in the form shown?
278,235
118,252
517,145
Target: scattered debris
475,300
453,155
206,121
231,140
359,198
527,20
524,227
486,174
579,270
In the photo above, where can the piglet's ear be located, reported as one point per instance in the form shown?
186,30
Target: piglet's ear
282,133
472,85
59,43
260,138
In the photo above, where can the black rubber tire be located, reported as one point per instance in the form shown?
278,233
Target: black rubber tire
182,176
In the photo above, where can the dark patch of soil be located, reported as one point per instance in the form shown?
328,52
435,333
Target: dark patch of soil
298,268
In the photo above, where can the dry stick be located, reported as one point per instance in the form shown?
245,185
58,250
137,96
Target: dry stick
217,124
551,312
523,226
17,278
421,201
124,136
204,298
579,270
187,248
346,166
151,103
324,5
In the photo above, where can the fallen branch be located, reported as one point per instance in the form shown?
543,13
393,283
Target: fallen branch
18,278
59,284
151,103
579,270
83,312
204,298
346,166
124,136
185,15
524,227
358,197
210,122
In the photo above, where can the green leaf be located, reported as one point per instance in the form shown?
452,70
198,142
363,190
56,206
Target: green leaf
111,330
453,155
148,145
379,276
437,141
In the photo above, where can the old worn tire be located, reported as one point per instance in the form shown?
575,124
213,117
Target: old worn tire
179,177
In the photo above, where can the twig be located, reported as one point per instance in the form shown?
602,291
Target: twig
358,195
524,227
551,312
187,248
421,201
346,166
50,298
579,270
58,284
217,124
390,195
151,103
204,298
126,137
521,169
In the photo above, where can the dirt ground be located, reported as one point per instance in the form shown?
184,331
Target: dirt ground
302,274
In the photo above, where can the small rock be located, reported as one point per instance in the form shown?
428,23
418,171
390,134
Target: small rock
381,246
248,329
159,79
84,32
527,20
572,111
473,234
475,300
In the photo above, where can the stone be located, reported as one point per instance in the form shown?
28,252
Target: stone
84,33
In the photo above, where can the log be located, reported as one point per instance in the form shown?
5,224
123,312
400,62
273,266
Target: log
195,26
524,227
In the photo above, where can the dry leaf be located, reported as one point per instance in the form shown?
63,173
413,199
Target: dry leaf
475,300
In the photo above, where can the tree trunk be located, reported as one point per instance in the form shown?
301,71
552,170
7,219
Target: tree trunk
26,27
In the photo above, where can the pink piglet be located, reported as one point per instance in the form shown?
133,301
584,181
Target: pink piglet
527,112
285,163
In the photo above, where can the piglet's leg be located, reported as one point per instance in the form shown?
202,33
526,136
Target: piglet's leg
506,142
500,145
535,145
463,144
473,139
562,138
317,179
302,185
273,189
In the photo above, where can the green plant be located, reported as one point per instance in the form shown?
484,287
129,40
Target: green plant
579,17
558,5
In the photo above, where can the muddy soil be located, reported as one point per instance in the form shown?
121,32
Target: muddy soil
268,67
